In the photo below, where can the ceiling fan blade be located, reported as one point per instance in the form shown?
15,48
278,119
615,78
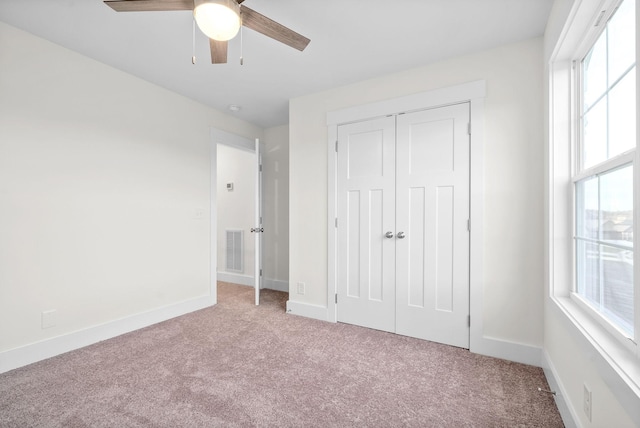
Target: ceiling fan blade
149,5
270,28
218,51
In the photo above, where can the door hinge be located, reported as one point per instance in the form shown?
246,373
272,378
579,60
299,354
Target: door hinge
336,146
469,128
469,225
336,222
599,20
260,272
260,168
468,320
336,298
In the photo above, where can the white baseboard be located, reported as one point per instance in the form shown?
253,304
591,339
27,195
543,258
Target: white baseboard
235,278
307,310
271,284
28,354
510,351
496,348
276,284
567,412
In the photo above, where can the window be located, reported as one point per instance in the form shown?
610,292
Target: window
604,177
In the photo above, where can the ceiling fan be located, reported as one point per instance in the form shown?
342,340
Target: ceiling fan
230,13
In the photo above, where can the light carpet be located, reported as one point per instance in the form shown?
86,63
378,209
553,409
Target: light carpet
238,365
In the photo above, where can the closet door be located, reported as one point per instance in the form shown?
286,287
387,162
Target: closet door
366,223
432,209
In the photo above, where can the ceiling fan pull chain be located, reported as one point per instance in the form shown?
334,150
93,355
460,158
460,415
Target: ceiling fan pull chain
241,58
193,42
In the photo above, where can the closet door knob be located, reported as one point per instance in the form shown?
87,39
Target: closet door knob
401,235
388,235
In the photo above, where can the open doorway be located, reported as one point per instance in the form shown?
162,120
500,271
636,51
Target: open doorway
236,202
233,257
229,240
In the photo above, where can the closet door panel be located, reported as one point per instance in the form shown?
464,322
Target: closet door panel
432,261
366,212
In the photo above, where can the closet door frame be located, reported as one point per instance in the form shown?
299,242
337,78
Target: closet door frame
474,93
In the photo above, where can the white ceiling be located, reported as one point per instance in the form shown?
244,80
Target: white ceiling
351,40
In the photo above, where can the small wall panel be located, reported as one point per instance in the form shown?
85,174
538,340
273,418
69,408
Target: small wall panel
416,237
444,248
365,154
375,245
432,146
353,243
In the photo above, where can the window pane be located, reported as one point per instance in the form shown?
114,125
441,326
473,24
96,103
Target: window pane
587,208
616,206
604,207
622,40
588,271
595,135
595,72
622,115
604,244
617,288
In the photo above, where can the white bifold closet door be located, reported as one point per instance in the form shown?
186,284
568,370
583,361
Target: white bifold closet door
403,211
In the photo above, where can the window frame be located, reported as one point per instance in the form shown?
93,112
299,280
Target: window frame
577,174
569,31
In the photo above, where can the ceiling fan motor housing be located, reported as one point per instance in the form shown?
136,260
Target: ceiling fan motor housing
217,19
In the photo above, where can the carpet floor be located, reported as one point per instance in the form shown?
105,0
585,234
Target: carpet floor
238,365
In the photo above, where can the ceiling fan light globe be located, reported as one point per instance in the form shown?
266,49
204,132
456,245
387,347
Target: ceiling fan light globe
218,19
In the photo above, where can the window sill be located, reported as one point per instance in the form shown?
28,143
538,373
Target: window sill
618,366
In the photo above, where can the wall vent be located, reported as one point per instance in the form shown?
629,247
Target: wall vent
235,251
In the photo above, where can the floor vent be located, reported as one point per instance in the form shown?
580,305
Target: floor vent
235,253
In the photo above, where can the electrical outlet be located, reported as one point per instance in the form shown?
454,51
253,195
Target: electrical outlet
301,288
198,213
587,401
49,318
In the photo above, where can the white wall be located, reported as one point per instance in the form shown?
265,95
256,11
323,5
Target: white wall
513,222
275,191
101,178
569,357
236,208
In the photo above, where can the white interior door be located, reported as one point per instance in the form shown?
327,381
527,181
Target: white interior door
402,237
432,211
366,212
258,229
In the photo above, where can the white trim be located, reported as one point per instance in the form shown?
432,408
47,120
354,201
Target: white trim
419,101
332,230
233,140
213,218
517,352
42,350
618,161
477,341
269,284
276,284
235,278
613,361
605,323
567,411
474,93
307,310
